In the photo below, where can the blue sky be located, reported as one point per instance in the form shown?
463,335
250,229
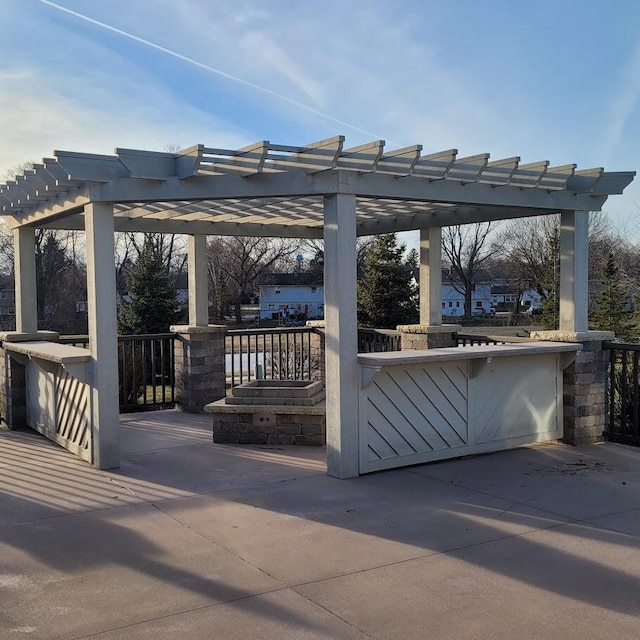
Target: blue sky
556,80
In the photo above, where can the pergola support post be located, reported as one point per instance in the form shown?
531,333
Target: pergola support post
584,380
200,371
24,246
103,336
431,276
341,335
574,271
430,333
197,274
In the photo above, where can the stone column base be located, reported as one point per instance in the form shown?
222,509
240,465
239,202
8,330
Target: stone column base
584,385
420,336
200,374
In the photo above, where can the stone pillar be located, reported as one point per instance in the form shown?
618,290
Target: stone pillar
317,349
200,372
419,336
584,385
13,383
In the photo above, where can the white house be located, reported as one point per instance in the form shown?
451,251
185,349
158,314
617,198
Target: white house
291,302
453,300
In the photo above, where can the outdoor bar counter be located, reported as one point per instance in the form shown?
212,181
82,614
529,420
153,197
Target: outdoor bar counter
421,406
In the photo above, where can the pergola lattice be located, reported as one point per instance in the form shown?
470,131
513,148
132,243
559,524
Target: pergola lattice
274,190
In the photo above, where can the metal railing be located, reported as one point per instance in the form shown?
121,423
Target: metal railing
378,340
270,354
145,370
473,339
623,393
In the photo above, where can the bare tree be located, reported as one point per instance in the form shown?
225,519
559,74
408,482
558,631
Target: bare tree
524,241
220,296
467,248
240,263
316,249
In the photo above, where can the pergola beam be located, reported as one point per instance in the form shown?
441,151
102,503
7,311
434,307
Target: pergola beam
151,225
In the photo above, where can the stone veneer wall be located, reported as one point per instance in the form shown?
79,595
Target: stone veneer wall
271,426
417,336
584,385
199,366
13,392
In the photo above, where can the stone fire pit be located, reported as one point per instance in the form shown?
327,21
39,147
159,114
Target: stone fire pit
271,412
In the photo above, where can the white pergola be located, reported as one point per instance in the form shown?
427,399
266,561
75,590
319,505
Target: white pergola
319,190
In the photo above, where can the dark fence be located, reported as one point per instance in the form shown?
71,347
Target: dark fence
623,393
473,339
270,354
378,340
145,370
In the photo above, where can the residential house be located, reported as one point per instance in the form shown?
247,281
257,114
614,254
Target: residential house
453,300
504,296
289,302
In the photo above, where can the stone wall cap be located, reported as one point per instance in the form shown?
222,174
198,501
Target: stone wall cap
449,354
316,324
424,328
219,406
185,328
17,336
573,336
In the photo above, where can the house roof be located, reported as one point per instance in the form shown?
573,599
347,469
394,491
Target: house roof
268,189
303,278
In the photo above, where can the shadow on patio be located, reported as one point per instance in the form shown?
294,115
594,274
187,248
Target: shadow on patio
189,538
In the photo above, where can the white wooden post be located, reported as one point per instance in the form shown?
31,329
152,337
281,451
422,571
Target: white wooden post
198,289
574,266
24,248
431,276
103,337
341,335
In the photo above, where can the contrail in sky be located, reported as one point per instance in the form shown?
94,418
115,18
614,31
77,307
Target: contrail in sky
201,65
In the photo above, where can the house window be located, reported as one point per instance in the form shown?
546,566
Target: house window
478,304
272,307
458,303
450,304
276,290
313,289
443,305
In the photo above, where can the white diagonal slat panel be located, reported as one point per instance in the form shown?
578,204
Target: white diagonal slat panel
412,412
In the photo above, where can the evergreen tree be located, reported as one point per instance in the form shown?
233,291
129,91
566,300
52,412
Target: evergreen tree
609,313
153,303
550,280
387,295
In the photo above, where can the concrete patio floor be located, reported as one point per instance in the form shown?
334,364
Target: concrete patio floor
193,540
